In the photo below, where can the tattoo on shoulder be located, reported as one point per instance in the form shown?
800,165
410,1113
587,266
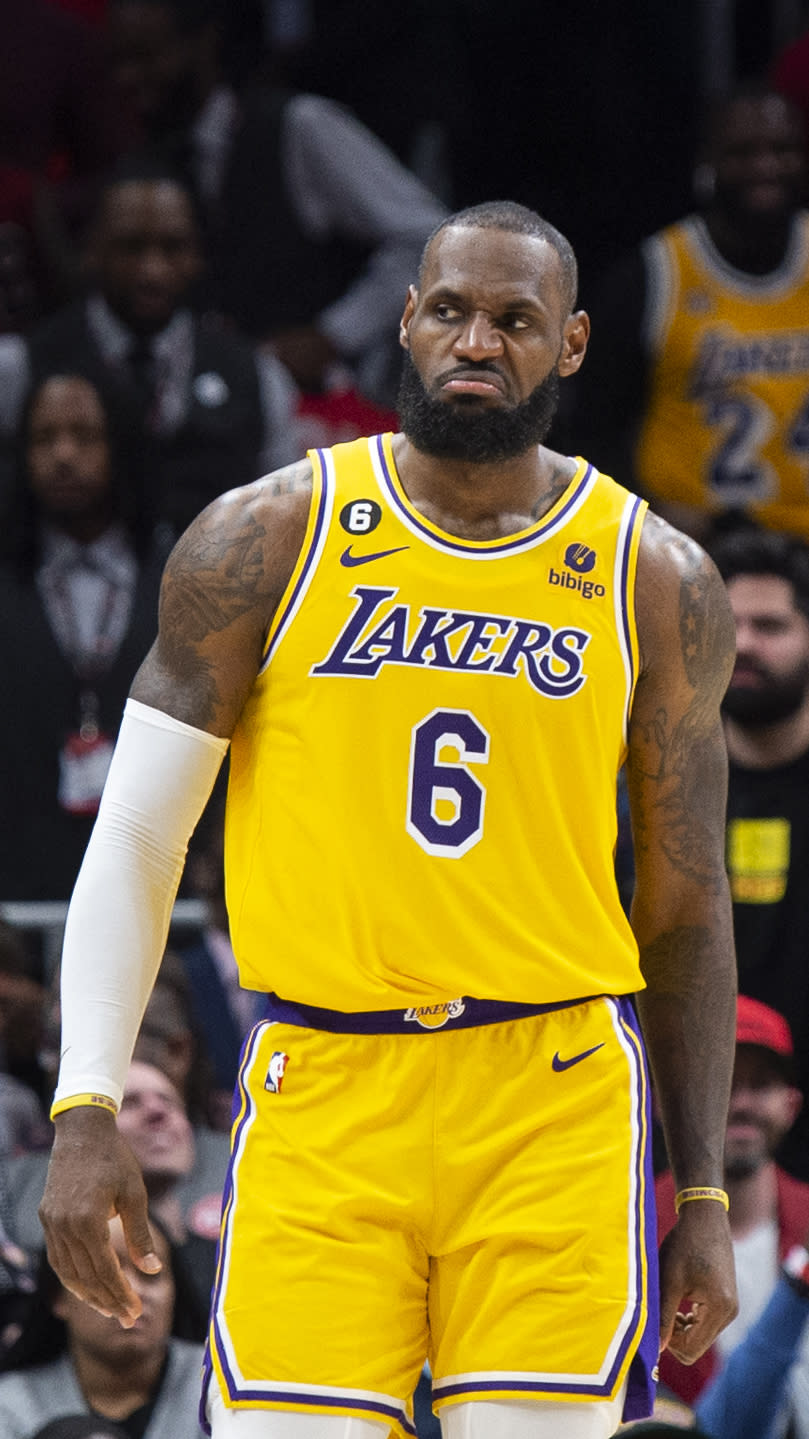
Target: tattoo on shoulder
216,574
295,479
705,636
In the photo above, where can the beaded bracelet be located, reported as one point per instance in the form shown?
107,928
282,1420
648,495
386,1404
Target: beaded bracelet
700,1193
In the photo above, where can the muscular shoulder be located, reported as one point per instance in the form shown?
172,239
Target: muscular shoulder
243,546
221,587
683,614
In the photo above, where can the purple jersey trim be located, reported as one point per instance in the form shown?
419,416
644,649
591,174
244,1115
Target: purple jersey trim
286,613
474,1012
471,547
625,597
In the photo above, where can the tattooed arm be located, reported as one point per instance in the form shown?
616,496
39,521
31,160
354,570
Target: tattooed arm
681,915
221,586
222,583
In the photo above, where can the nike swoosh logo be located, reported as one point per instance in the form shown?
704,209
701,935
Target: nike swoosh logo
347,558
561,1064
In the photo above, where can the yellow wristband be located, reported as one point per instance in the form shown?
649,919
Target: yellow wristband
73,1101
700,1193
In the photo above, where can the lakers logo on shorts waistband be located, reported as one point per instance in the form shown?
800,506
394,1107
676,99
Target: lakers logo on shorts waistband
275,1071
435,1016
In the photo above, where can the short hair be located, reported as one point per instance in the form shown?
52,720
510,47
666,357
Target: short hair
516,219
753,551
755,90
148,167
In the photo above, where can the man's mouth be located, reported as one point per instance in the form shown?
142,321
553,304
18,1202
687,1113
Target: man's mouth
473,382
747,677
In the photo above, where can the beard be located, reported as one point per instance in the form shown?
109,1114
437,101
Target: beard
777,699
463,429
740,1165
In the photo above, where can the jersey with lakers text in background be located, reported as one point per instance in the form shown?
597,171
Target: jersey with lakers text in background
421,802
727,418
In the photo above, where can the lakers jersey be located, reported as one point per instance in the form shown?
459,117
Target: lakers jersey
421,801
727,419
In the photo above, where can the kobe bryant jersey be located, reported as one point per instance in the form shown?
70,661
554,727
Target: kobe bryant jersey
422,792
726,424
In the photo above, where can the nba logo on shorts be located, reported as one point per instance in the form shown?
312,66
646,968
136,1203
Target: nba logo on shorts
275,1071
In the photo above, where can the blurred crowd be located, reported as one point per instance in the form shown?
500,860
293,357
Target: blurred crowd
209,217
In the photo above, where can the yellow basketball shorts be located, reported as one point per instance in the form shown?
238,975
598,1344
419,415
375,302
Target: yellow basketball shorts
479,1196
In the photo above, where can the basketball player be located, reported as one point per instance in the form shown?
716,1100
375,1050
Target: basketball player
697,384
430,653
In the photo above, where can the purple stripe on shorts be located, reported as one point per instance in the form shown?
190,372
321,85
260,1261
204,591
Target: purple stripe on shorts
641,1387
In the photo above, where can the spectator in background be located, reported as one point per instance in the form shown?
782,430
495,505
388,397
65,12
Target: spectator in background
183,1166
214,415
79,579
315,227
766,712
769,1210
171,1038
695,389
70,1359
765,1373
24,1124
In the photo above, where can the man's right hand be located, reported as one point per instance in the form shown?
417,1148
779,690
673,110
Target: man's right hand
92,1176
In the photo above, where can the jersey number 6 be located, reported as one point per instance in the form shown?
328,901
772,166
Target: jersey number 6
445,800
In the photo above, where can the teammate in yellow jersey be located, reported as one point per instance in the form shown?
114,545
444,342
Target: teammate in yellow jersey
432,651
697,380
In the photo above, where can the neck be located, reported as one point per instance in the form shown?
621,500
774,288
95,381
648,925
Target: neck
768,746
482,501
753,1200
756,249
116,1386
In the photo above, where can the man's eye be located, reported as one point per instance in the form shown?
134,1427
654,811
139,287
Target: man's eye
514,322
446,312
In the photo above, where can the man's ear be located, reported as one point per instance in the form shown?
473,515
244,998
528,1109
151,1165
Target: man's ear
574,342
407,315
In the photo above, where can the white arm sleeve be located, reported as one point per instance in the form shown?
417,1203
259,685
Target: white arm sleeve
160,778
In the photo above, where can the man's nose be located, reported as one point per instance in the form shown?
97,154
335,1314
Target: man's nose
745,637
155,1110
479,339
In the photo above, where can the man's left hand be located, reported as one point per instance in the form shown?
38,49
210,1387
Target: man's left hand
697,1280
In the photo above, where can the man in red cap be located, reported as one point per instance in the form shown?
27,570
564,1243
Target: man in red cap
769,1209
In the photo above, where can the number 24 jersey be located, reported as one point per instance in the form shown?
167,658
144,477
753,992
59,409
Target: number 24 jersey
422,789
727,418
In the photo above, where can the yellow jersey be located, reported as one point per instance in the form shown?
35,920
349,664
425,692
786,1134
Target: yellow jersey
726,424
421,800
